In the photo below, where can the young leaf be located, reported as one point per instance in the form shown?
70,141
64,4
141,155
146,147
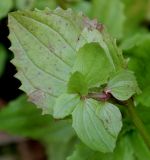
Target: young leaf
93,63
116,53
106,42
123,85
110,115
78,84
65,104
93,127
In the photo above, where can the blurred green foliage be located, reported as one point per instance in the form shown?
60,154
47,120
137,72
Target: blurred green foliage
24,119
128,21
130,147
5,7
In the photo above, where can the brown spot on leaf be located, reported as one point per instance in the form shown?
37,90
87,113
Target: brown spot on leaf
51,48
37,97
93,24
100,27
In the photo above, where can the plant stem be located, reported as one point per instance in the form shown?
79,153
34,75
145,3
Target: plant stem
137,122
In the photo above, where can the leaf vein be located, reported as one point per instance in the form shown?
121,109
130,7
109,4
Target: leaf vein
58,78
42,42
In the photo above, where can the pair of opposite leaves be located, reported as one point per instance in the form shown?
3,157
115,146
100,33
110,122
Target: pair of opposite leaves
60,55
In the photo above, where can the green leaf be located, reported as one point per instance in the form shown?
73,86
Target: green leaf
144,97
129,147
92,124
30,4
111,117
44,52
96,32
81,152
111,14
65,105
134,41
57,151
93,63
123,85
82,6
124,149
24,4
141,151
144,113
115,52
22,118
139,63
5,7
78,84
3,56
135,11
41,4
